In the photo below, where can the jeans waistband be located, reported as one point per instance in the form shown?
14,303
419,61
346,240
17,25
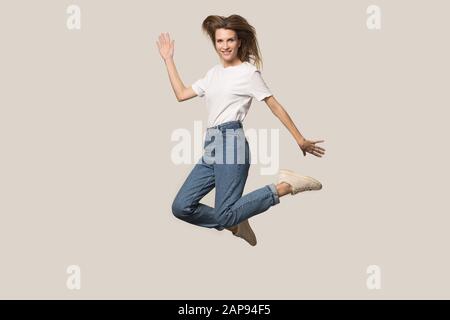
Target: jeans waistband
228,125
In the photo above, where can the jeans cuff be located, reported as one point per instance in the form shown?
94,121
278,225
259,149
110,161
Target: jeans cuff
275,197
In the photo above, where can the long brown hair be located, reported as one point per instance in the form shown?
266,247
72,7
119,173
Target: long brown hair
249,49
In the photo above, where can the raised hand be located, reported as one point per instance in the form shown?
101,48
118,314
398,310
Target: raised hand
165,46
308,146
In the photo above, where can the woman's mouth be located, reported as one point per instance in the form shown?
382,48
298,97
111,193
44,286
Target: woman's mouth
226,53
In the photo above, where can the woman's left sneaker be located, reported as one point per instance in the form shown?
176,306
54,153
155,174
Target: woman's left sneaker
298,182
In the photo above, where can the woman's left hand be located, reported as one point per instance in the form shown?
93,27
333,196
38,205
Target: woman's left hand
310,147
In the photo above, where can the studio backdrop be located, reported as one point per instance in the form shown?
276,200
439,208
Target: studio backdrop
94,147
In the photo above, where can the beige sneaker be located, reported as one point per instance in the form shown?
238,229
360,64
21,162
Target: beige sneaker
298,182
245,232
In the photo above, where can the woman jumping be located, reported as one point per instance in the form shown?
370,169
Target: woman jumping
229,88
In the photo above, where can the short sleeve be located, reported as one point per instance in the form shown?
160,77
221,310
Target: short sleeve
201,85
258,88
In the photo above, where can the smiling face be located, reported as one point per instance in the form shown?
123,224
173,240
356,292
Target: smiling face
227,45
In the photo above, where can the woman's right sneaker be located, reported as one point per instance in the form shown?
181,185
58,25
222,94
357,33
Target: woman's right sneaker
244,231
298,182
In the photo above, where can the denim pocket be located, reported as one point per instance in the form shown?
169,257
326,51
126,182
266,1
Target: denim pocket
236,147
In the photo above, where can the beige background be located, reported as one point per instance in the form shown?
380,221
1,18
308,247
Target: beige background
86,177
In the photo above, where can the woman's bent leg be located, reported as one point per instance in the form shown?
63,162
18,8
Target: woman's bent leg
186,206
233,208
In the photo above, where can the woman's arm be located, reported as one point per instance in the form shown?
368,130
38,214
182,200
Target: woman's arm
181,92
305,145
166,50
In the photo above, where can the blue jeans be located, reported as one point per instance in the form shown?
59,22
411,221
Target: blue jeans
224,165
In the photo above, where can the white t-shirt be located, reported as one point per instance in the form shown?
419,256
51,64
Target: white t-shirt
229,91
